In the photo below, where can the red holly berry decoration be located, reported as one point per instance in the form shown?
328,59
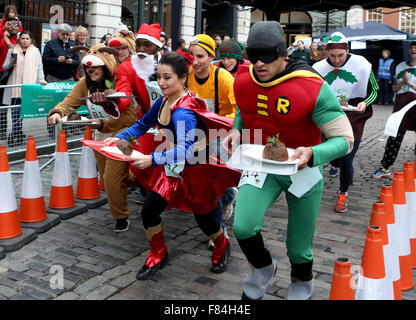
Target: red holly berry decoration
336,71
89,63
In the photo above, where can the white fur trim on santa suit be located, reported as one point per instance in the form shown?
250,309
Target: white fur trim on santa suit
92,61
150,38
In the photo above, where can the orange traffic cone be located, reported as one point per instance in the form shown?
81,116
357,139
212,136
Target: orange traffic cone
101,185
372,284
12,236
409,185
62,199
402,219
392,260
87,187
88,190
32,202
341,287
62,193
378,218
32,210
9,217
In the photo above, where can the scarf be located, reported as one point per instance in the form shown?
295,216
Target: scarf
26,68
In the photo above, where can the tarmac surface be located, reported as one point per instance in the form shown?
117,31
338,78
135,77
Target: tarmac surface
95,263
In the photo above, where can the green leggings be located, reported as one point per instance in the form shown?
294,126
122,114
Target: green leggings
253,203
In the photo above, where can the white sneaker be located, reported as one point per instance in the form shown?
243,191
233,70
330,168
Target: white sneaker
229,209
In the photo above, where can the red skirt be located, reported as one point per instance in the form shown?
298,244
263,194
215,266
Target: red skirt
198,189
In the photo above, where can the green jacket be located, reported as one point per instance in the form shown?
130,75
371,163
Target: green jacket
302,55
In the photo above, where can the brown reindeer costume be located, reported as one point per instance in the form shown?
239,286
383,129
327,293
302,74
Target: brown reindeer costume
115,174
123,38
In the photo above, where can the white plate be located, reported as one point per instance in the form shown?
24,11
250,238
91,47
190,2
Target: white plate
135,154
349,108
256,153
83,120
249,157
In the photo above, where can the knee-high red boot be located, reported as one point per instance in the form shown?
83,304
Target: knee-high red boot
158,255
221,253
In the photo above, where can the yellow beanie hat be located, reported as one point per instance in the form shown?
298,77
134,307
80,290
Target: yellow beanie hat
204,41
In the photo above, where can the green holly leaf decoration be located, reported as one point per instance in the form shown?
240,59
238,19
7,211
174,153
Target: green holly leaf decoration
410,70
72,110
133,140
332,38
273,140
109,84
330,77
342,74
412,37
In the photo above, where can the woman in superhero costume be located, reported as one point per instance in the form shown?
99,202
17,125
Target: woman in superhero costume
178,178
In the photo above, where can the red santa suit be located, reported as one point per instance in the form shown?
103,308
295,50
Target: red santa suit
132,82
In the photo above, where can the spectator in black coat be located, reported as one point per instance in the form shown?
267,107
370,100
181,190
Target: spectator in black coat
59,63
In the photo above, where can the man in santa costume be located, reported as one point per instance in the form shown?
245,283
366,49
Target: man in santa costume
135,75
135,72
353,82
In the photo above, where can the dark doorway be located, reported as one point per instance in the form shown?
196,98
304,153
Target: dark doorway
218,18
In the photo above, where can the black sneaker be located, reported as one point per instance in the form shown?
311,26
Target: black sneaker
333,172
140,198
122,225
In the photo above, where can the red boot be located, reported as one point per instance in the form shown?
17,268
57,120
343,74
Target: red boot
221,253
158,255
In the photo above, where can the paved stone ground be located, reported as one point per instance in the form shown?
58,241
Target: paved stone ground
99,264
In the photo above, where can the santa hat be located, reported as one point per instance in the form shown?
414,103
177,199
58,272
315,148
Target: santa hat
151,33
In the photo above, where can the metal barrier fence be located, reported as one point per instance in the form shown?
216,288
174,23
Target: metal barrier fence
45,135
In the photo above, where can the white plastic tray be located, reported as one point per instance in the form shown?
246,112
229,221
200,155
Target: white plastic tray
83,120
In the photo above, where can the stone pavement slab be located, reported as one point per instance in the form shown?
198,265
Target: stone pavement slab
81,258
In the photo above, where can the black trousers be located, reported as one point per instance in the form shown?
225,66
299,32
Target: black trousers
155,204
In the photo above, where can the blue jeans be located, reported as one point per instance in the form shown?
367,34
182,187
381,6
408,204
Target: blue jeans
16,120
225,200
346,168
229,194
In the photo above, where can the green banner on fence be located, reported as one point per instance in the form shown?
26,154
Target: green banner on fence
38,100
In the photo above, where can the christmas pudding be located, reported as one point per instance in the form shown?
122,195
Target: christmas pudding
74,116
275,150
124,146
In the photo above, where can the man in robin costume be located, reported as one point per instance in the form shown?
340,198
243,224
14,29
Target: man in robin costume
291,100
